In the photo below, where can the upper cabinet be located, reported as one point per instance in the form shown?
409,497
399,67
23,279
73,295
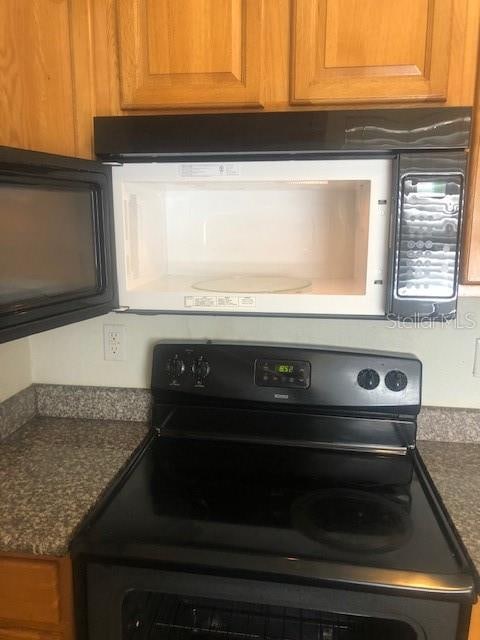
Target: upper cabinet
44,97
159,55
370,51
114,57
471,241
177,53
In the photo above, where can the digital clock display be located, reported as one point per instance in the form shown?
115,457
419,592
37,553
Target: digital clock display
284,368
283,374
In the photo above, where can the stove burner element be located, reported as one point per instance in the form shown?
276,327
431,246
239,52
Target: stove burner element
352,520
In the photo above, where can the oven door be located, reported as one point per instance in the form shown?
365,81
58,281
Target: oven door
56,241
130,603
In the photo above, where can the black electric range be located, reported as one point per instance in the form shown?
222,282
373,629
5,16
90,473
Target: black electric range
279,495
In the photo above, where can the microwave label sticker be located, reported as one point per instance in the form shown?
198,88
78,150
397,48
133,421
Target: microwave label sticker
209,170
218,302
227,301
247,301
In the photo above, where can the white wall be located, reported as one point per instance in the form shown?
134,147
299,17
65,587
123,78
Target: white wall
15,372
74,354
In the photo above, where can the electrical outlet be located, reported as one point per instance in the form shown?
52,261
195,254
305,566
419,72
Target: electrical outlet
114,342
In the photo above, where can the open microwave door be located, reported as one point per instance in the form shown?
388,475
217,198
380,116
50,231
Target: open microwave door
295,237
56,241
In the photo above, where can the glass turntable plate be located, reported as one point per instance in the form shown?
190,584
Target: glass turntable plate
253,284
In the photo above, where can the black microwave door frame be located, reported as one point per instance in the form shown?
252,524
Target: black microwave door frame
18,166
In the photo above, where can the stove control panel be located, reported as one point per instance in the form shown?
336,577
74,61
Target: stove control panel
293,375
289,374
180,368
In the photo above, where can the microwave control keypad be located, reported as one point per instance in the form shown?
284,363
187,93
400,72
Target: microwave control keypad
429,225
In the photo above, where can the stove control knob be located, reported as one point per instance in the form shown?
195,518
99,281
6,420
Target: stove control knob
200,370
175,368
368,379
396,380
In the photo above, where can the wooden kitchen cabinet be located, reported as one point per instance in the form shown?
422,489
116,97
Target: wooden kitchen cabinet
189,53
25,634
368,51
159,55
45,102
475,623
471,240
36,601
64,61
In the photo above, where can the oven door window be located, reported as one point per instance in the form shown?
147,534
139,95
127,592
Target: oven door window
154,616
48,244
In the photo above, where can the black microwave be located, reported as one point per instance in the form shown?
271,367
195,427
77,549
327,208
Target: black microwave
57,239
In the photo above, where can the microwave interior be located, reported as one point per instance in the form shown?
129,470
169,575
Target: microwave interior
307,234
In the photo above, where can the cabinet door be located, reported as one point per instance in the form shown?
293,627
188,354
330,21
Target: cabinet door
471,238
179,53
36,601
44,91
29,591
475,623
369,51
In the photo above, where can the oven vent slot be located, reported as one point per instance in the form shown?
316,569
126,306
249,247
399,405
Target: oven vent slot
152,616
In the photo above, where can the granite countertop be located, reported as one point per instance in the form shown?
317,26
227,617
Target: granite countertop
52,472
454,468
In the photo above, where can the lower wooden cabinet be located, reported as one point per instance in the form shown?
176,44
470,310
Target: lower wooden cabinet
475,623
36,598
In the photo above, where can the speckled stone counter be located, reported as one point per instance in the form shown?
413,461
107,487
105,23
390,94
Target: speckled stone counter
52,472
455,470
